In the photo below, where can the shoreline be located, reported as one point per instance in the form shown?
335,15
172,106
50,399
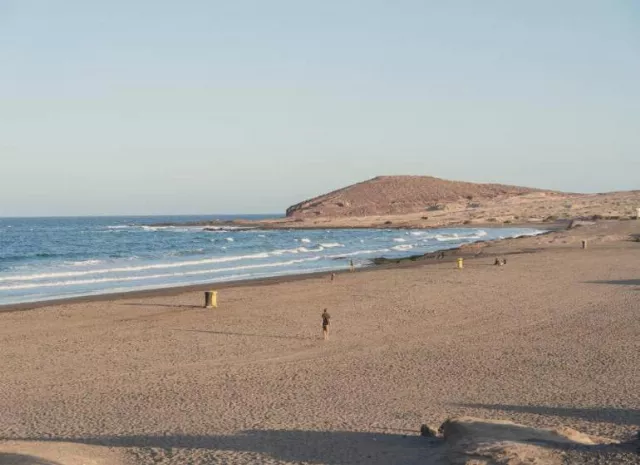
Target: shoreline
376,264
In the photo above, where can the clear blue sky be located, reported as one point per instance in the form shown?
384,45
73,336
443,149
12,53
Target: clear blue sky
153,107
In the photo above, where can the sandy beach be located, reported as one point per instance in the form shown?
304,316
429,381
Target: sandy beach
551,339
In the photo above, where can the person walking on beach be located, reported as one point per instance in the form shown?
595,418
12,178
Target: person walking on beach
326,321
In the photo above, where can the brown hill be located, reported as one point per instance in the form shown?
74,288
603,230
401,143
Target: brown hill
391,195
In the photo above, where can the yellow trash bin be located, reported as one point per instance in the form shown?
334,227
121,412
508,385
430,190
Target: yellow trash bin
211,299
460,263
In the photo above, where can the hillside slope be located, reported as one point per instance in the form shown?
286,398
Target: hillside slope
391,195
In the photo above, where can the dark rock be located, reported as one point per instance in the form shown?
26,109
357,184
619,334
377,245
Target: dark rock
428,432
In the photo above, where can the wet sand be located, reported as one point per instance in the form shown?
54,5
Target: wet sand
550,339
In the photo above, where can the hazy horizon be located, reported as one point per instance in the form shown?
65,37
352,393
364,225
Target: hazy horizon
117,109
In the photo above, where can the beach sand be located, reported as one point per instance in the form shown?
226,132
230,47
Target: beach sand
551,339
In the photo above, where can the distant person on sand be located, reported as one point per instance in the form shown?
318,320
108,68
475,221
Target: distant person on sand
325,324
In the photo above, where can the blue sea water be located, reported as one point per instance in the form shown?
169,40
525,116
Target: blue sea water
50,258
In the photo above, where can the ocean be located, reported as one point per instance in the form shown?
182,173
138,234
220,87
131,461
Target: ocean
51,258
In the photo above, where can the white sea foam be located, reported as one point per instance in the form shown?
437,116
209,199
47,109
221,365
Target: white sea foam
533,232
128,269
331,245
230,239
306,241
155,276
359,252
399,239
279,252
402,248
305,250
85,263
444,238
160,266
181,229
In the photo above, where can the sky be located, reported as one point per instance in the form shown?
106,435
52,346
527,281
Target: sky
198,107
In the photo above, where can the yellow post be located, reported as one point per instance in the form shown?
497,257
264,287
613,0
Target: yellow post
460,263
211,299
